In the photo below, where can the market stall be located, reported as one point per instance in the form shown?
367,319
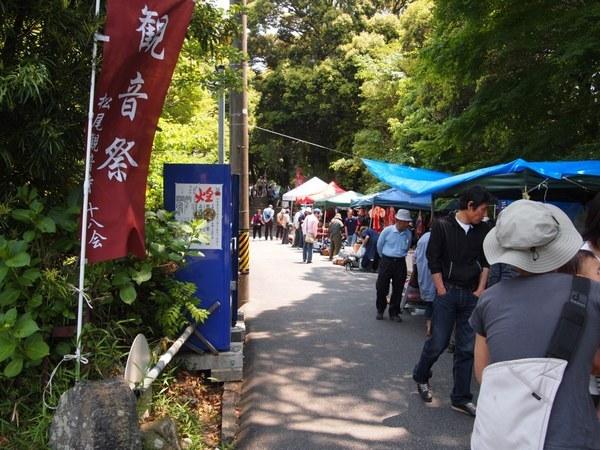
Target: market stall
342,200
331,190
393,197
572,181
310,187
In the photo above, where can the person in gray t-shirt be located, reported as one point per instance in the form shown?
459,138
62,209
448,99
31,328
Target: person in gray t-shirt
516,318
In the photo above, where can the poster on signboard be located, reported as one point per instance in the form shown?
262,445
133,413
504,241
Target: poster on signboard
202,201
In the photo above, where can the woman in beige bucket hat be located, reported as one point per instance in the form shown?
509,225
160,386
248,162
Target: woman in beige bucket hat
516,318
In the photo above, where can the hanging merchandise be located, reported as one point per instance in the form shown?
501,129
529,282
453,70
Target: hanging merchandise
420,225
390,216
377,214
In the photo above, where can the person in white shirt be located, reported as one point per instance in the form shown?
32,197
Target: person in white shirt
309,230
285,225
267,215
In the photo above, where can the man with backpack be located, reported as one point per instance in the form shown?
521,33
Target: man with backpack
459,271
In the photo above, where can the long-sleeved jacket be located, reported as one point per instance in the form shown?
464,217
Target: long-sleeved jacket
457,255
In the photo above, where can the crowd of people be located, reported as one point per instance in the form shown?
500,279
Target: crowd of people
499,291
495,292
266,189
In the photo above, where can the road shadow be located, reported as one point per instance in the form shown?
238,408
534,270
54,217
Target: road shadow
322,373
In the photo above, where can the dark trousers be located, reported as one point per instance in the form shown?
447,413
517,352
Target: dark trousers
335,247
370,262
453,308
394,270
298,238
256,229
269,230
279,232
285,235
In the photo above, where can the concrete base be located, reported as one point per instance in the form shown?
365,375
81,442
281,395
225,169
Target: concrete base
224,366
238,333
226,375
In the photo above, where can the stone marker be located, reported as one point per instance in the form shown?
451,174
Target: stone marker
96,415
160,435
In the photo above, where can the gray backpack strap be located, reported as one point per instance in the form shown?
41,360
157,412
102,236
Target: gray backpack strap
569,329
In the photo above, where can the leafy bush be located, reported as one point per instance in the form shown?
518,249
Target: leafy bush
35,293
37,277
146,288
38,273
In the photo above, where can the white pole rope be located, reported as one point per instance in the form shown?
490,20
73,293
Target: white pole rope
84,211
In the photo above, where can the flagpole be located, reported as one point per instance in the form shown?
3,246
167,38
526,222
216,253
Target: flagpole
84,212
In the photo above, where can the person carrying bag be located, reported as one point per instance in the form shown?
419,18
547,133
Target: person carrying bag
537,338
517,396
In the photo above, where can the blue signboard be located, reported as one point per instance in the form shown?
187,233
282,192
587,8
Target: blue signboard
203,191
235,230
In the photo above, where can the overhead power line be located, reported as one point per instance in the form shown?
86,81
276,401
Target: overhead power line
304,141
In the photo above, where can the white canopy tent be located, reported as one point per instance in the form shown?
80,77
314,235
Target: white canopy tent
310,187
331,190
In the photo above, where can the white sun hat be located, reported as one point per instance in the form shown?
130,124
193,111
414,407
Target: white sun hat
404,215
533,236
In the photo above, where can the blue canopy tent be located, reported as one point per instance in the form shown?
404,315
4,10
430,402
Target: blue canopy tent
405,178
396,198
365,200
560,180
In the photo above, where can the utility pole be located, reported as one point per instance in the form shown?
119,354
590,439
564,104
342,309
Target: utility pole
221,98
239,154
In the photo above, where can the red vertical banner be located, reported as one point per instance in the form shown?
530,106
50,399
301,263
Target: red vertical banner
144,41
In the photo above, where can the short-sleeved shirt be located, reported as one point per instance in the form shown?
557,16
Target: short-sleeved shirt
268,214
351,224
394,243
518,318
256,219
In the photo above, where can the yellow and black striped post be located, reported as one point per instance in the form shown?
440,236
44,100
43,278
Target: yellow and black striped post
244,251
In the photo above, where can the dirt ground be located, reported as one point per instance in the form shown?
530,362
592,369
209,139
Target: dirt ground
203,400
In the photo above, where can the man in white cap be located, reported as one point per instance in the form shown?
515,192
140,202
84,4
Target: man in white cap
517,318
392,246
459,271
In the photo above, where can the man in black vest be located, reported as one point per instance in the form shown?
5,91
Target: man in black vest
459,271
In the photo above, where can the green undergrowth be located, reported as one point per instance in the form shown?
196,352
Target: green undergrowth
195,406
38,304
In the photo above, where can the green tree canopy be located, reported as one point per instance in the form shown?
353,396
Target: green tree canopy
45,64
446,84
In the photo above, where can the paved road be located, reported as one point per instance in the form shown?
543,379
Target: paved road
322,373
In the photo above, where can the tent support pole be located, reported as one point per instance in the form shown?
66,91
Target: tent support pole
324,220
